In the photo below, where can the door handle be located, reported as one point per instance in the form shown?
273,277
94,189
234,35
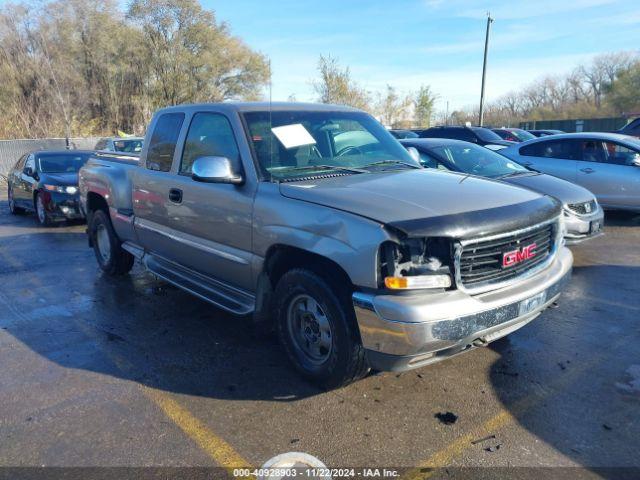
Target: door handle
527,164
175,195
587,170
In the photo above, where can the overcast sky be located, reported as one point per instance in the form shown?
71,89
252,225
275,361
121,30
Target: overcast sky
407,43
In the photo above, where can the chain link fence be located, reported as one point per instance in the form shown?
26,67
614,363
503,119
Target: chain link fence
12,150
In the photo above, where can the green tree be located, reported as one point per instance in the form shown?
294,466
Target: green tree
191,57
624,93
336,86
423,106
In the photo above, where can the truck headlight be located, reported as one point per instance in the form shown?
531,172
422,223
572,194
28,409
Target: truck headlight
416,263
61,189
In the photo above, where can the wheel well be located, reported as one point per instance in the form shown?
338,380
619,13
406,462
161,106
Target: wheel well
96,202
282,258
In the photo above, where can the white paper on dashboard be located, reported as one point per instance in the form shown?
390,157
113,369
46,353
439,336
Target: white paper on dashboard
294,135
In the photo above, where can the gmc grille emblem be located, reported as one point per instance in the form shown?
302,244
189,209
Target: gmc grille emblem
509,259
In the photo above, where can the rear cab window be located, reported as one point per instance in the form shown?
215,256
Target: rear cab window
162,144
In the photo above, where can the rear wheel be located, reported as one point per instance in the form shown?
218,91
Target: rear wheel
42,216
12,203
318,330
111,257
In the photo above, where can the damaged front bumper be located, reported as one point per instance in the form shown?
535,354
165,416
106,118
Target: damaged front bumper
401,332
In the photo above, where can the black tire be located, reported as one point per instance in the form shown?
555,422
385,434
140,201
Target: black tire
42,216
111,257
345,361
12,206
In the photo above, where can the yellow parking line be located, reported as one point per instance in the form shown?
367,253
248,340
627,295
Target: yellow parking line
222,453
219,450
445,456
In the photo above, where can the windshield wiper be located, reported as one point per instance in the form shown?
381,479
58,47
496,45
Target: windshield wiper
396,162
342,169
326,167
514,174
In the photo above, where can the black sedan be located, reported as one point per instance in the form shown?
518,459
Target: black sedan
47,182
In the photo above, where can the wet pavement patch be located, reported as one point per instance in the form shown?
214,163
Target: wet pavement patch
448,418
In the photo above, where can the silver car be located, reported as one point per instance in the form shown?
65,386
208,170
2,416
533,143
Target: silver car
607,164
583,216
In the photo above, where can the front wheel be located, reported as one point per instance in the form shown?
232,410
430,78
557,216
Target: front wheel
42,216
112,258
318,330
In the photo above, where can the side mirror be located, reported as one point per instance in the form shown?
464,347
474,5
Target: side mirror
28,171
215,170
415,154
636,161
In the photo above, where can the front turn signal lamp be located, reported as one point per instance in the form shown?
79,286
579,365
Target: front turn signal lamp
418,281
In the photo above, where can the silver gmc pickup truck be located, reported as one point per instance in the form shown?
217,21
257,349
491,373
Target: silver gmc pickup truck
318,223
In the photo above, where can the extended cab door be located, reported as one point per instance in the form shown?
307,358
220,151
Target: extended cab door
202,226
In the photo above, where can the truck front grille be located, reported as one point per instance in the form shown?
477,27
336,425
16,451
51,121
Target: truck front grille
481,262
583,208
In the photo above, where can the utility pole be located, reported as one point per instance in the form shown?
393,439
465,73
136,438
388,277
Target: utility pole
484,67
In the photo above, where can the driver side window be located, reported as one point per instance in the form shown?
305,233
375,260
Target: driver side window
210,135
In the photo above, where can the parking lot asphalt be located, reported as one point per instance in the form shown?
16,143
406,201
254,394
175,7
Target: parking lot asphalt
132,372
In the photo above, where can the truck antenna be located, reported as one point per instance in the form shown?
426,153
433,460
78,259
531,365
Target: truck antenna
270,115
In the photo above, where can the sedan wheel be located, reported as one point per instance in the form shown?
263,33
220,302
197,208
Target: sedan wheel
12,203
41,212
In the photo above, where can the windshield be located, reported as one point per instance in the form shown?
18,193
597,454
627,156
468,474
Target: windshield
62,163
522,135
304,143
487,135
477,160
128,146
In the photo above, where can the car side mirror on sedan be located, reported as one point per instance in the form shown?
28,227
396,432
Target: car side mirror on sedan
215,170
28,171
635,162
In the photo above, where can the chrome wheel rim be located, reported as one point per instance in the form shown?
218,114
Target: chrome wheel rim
40,210
310,330
104,243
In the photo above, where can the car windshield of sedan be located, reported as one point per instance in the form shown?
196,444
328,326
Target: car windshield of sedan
294,144
478,160
62,163
522,135
487,135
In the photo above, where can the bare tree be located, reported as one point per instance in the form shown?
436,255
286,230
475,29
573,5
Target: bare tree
336,86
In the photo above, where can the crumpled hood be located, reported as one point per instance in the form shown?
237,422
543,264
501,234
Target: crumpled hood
564,191
63,179
421,202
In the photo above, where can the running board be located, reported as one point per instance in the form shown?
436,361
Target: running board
213,291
